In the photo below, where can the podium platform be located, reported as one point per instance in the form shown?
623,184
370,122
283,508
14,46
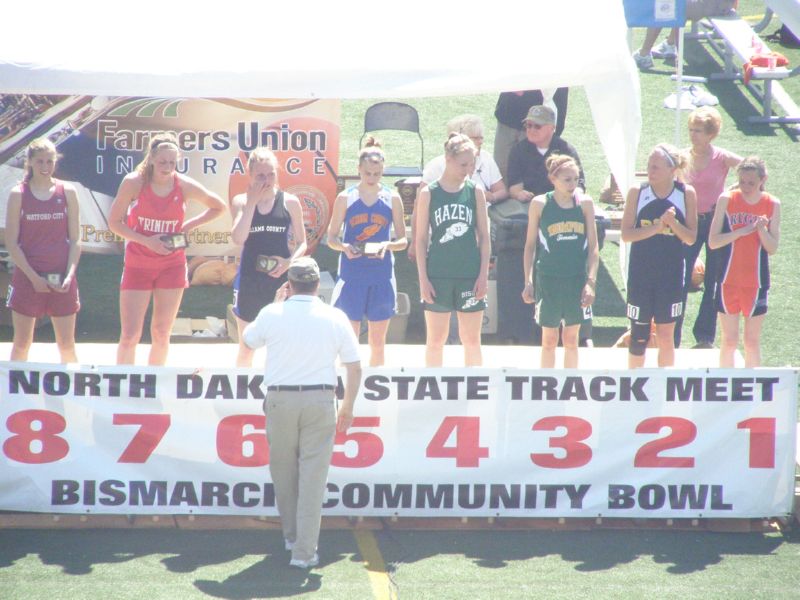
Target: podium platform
199,355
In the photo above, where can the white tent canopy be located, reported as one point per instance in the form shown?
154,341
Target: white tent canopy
323,49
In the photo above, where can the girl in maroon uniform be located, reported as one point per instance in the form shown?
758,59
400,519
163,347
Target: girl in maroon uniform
42,228
149,213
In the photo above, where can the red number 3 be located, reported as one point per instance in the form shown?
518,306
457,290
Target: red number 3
577,453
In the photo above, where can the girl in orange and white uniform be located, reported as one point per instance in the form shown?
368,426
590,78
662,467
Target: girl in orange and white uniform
746,225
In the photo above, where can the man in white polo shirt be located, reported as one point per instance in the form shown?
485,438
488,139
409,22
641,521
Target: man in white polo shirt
304,336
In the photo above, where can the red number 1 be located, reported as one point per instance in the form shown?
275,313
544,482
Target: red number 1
762,442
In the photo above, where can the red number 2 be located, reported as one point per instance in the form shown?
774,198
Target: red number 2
682,432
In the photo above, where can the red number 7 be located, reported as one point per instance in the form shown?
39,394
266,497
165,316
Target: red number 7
151,429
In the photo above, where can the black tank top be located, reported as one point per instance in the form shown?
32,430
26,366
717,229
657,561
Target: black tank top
269,234
660,256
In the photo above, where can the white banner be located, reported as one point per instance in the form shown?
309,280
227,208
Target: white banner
425,442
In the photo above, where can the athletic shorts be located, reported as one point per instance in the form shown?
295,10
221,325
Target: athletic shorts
171,278
454,294
377,301
656,300
747,301
25,300
558,300
253,292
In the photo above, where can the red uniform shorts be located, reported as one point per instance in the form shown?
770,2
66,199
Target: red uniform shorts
747,301
25,300
150,279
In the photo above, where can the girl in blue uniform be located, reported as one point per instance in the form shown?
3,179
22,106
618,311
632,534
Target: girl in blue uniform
263,217
366,287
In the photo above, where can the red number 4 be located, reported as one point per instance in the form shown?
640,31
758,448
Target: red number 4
467,450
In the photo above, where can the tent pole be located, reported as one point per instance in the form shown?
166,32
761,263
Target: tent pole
681,41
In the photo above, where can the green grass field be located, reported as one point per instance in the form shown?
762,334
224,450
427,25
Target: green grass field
419,565
176,564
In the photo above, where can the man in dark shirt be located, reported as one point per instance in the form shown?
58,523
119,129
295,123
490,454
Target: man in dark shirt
511,109
527,175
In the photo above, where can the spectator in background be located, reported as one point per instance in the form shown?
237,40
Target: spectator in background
149,213
706,173
42,239
528,177
263,219
510,112
366,285
746,227
527,173
668,48
660,217
486,175
454,267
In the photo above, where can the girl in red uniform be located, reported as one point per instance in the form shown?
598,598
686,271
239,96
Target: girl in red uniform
148,211
42,229
746,225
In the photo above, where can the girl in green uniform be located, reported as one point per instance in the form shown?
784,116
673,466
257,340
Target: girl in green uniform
562,244
453,254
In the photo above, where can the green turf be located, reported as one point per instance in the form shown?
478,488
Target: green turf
170,564
441,565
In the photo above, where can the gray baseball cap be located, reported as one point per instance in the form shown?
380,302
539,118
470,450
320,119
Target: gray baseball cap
304,269
541,115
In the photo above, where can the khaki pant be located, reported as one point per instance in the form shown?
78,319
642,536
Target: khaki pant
301,427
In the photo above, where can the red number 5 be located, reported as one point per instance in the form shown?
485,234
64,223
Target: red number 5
369,446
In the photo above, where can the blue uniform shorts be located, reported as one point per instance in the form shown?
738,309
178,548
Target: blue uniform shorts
377,301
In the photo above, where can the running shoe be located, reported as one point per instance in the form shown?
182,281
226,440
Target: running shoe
305,564
665,50
643,62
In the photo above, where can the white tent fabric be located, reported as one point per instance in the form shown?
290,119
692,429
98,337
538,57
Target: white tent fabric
323,49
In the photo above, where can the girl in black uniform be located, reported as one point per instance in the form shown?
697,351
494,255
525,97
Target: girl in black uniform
262,221
660,218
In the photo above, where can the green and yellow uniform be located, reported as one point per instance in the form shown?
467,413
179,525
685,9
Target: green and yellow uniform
561,264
